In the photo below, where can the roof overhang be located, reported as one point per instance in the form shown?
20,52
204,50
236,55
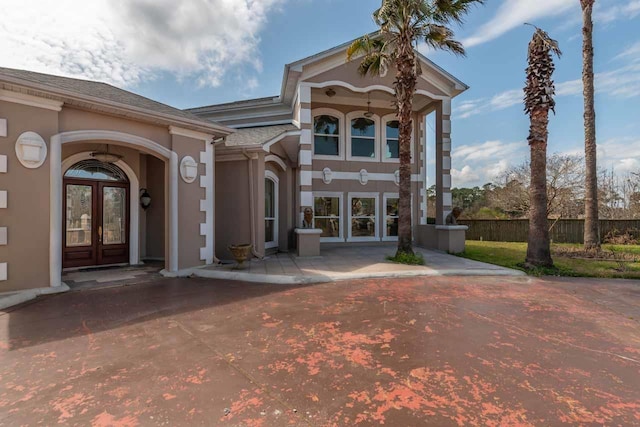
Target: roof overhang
32,89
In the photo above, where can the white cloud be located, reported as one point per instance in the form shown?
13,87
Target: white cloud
622,82
478,164
489,150
632,53
514,13
464,177
128,41
484,105
622,155
607,13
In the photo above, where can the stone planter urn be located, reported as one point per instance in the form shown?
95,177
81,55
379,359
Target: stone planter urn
240,253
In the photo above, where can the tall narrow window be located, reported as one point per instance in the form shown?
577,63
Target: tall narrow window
363,138
270,211
392,217
392,150
363,217
326,216
326,136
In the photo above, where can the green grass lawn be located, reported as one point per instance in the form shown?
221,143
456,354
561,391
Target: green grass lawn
512,255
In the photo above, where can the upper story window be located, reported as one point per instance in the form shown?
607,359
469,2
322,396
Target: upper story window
363,138
326,135
392,143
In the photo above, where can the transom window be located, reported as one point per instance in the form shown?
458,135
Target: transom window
96,170
363,138
326,135
392,147
326,216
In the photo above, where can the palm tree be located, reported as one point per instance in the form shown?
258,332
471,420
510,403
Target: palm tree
538,100
403,24
591,223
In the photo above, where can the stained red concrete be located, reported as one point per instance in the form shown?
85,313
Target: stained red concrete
436,351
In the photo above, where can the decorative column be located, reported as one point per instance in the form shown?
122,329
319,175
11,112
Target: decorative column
173,212
207,205
303,107
444,199
422,159
3,200
55,214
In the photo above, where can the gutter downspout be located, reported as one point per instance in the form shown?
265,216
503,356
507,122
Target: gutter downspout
252,208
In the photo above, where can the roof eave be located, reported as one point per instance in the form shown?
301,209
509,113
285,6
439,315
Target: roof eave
169,119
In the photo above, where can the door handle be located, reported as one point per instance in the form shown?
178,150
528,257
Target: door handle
100,234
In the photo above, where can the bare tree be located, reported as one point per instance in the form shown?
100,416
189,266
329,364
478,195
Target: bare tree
565,177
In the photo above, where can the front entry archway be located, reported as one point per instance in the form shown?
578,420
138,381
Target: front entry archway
96,203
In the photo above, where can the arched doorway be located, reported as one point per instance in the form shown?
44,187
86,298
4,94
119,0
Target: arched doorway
96,215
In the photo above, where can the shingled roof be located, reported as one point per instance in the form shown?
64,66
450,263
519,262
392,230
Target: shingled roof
101,91
257,135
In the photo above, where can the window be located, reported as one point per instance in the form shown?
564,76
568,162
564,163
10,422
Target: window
326,135
363,138
391,219
95,169
327,216
270,210
363,213
392,146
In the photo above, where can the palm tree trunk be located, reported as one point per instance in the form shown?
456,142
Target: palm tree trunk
405,87
539,246
591,223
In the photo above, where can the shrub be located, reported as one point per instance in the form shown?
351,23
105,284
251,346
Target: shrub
616,237
408,259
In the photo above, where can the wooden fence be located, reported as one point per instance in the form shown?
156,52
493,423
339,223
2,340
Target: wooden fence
564,230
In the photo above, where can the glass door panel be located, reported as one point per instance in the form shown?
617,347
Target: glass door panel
79,215
114,216
270,213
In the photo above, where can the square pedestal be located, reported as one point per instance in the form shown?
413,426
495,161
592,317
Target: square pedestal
308,241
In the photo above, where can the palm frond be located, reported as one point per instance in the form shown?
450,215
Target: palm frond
542,37
375,59
374,64
447,11
442,38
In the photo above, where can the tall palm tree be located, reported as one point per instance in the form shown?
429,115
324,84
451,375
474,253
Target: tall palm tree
538,100
403,24
591,223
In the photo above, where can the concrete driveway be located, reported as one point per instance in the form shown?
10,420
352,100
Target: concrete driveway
439,351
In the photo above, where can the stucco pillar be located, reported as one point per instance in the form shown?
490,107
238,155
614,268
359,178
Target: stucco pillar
55,213
304,152
173,212
422,161
444,200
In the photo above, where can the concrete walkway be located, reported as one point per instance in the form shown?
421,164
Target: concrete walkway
347,263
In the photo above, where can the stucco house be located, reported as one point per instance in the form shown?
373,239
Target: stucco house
93,175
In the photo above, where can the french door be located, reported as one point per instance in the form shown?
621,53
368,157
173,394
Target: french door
96,223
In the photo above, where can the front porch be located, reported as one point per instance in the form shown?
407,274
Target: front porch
344,262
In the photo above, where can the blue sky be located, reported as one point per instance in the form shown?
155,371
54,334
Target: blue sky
199,52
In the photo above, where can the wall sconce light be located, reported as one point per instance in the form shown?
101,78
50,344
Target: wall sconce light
145,199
